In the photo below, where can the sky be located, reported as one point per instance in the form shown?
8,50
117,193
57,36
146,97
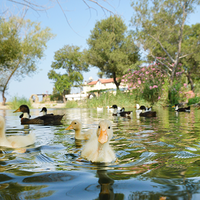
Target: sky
73,31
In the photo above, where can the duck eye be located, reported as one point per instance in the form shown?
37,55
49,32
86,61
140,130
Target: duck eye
109,127
74,122
99,127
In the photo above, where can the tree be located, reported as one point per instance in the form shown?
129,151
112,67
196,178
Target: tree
111,49
71,60
160,26
191,47
22,45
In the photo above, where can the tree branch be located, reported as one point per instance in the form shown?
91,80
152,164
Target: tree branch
163,48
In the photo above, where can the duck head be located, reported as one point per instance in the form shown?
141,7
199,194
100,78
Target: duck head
25,110
75,124
44,110
104,131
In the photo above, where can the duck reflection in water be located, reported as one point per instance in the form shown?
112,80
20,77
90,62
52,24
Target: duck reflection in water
106,190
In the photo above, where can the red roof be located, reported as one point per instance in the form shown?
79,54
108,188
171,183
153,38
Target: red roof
109,80
92,83
103,81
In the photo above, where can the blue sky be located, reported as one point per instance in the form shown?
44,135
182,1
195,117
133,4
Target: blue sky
82,20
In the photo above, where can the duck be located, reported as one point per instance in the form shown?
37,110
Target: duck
44,111
111,109
77,126
148,114
45,119
97,149
142,108
17,141
186,109
100,109
121,112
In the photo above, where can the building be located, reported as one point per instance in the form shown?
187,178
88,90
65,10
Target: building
101,84
93,88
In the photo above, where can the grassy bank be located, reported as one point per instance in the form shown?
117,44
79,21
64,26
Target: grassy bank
16,102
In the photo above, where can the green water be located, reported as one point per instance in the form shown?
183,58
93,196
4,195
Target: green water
157,157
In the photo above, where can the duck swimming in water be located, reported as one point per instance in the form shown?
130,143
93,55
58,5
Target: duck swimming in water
121,112
17,141
77,126
44,111
97,148
45,119
186,109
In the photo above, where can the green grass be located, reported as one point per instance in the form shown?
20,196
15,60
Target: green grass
72,104
108,99
16,102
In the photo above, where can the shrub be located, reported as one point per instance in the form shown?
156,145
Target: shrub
193,100
16,102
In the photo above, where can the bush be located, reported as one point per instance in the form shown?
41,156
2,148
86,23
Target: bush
16,102
71,104
193,100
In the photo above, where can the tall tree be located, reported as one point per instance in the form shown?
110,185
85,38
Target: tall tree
22,45
69,58
111,49
160,24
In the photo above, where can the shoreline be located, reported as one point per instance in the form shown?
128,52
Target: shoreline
38,105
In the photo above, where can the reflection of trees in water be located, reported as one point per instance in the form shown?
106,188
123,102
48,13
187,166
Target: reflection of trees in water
14,190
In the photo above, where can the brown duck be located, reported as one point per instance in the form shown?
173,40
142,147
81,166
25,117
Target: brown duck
45,119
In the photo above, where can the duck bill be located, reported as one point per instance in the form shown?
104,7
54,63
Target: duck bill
173,106
69,127
18,110
103,137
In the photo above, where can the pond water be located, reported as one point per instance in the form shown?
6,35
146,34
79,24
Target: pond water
157,158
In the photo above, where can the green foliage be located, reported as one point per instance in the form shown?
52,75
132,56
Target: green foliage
122,99
71,104
193,100
162,32
16,102
56,97
174,97
69,59
9,42
146,83
22,45
111,49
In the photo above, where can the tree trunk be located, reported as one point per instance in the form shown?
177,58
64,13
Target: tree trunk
4,98
190,80
115,81
64,100
5,86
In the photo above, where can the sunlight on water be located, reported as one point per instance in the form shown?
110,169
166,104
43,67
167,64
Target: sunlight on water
156,157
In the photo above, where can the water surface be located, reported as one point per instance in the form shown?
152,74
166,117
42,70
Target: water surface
157,158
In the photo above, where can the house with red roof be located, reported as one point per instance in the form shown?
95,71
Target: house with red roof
91,88
100,84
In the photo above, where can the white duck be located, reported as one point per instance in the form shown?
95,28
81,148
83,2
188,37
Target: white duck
99,109
17,141
97,149
77,126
